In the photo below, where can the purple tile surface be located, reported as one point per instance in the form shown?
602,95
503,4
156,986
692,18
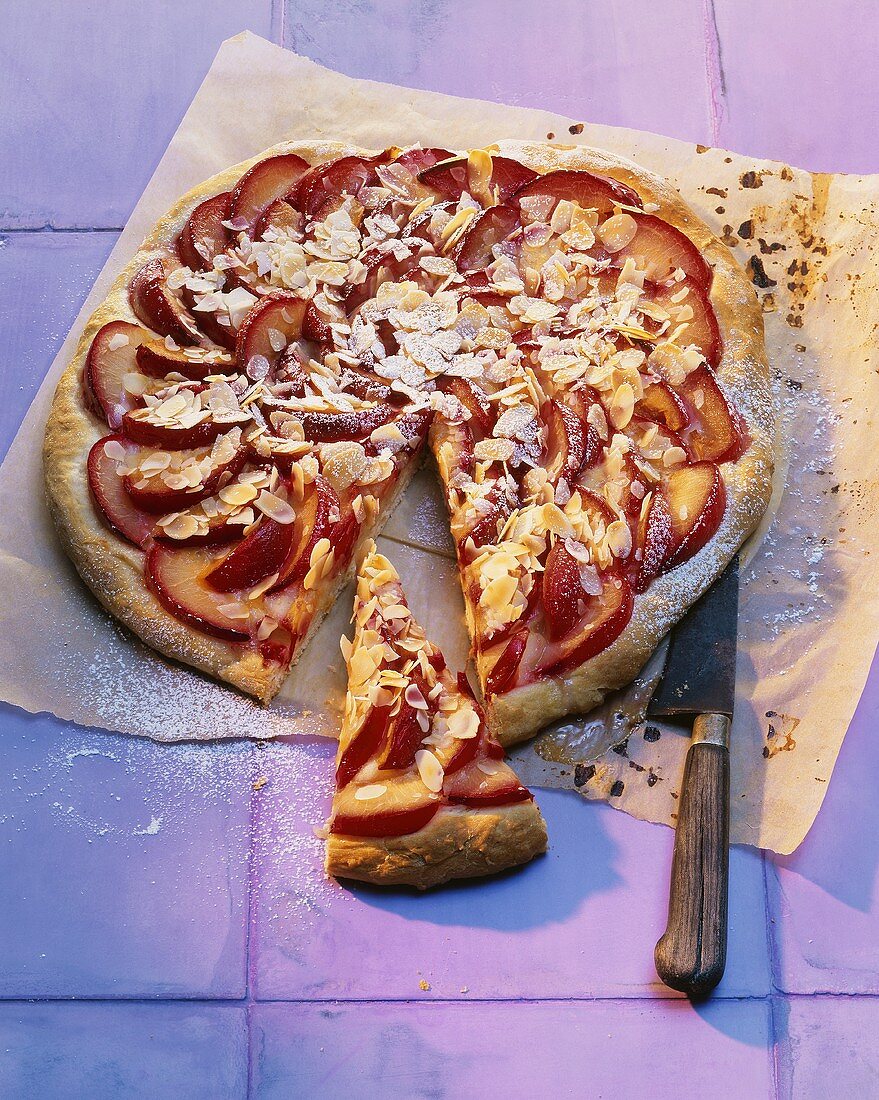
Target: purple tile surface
98,94
824,899
141,1052
610,62
797,81
578,922
132,870
827,1047
124,864
614,1049
44,278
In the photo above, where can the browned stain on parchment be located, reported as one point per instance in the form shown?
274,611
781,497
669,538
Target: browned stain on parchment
779,733
800,275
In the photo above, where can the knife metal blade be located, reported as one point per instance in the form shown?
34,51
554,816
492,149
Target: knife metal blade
699,683
700,668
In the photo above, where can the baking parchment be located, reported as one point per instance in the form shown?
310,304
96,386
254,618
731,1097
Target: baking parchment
809,621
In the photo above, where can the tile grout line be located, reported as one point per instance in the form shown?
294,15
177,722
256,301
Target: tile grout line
244,1002
773,1045
48,230
715,75
774,972
277,22
250,939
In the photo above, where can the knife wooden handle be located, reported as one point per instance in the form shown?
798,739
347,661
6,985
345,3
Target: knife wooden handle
691,954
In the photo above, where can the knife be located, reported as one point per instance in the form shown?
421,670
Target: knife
698,683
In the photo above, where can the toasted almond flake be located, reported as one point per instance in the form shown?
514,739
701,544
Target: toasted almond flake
619,538
499,593
489,767
321,548
263,587
455,227
117,340
671,363
577,551
369,792
494,450
273,507
622,405
463,723
183,526
155,462
235,609
430,770
135,384
590,580
277,339
266,628
673,456
237,494
343,463
617,231
414,697
396,611
114,450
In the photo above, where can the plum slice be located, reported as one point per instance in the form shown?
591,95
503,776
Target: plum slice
659,250
488,526
157,497
476,787
116,507
327,427
397,809
157,308
204,236
220,531
271,179
157,360
700,330
404,738
661,404
718,434
319,515
473,399
564,597
111,358
177,578
276,317
322,190
260,554
603,622
279,215
503,671
654,542
364,745
696,498
451,178
583,188
417,160
573,443
169,437
490,228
